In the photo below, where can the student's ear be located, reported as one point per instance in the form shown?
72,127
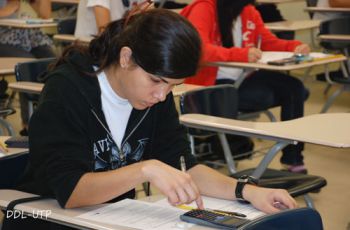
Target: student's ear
125,59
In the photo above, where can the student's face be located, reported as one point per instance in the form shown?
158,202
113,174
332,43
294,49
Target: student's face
143,90
140,88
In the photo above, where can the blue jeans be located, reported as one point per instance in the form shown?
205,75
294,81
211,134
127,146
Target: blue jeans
266,89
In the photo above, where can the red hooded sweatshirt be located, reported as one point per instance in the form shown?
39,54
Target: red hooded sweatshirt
203,15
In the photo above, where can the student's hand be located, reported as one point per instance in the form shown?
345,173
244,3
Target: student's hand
254,54
176,185
265,198
302,49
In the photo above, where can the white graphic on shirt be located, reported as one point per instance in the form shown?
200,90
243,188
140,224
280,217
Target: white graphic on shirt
107,155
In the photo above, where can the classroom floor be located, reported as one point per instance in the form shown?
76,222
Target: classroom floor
333,201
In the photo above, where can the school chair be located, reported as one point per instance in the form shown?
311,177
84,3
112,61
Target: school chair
339,26
221,101
33,71
295,219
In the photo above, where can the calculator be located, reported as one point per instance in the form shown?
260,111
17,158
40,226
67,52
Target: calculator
213,219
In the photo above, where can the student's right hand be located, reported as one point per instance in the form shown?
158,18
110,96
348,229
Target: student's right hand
176,185
254,54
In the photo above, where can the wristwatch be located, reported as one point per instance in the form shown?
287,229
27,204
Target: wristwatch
241,182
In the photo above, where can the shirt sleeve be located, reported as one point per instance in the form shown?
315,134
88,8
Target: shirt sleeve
59,152
103,3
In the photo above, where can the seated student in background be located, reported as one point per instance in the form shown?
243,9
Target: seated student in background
119,127
31,43
94,15
230,30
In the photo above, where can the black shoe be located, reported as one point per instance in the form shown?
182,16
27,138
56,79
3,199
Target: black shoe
23,132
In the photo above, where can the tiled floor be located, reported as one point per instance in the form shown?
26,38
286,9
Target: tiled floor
333,202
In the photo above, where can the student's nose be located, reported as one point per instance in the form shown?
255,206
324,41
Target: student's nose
162,91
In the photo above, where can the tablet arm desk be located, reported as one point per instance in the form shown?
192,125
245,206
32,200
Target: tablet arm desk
315,129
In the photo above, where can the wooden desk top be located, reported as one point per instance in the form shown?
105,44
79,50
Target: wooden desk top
71,38
34,87
20,24
329,129
293,25
335,37
180,89
315,62
7,64
66,1
277,1
328,9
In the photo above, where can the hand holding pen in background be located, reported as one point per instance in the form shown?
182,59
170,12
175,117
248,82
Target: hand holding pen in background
254,54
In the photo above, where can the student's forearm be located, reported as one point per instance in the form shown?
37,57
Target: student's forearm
100,187
42,8
10,8
214,184
102,16
339,3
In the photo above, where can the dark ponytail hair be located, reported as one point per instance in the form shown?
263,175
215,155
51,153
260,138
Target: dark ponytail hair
228,11
163,43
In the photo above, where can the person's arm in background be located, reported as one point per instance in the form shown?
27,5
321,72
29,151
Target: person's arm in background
11,7
339,3
103,17
203,18
42,8
271,43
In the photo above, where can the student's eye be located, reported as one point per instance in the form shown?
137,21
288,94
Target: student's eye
155,80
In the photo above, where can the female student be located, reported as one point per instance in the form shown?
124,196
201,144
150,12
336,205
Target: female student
106,121
31,43
232,30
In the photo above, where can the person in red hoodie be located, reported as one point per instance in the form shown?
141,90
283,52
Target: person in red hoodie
230,31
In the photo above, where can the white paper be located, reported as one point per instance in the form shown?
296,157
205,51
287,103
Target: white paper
225,205
138,214
273,56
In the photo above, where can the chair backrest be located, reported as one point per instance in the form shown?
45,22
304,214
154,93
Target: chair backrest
295,219
66,26
33,71
335,26
12,168
219,100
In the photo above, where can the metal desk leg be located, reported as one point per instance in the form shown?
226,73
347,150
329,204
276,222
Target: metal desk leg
268,158
227,152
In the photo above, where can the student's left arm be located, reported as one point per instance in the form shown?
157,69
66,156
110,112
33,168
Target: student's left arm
271,43
42,8
214,184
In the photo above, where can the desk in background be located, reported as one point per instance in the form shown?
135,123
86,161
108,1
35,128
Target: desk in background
71,38
277,1
293,25
335,37
327,10
19,23
7,64
66,1
317,129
